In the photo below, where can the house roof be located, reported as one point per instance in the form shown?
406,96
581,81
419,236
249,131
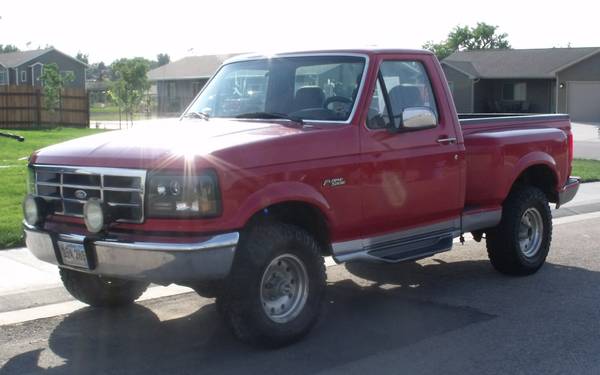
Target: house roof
517,63
15,59
189,67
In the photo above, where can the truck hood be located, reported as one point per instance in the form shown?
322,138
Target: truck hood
163,144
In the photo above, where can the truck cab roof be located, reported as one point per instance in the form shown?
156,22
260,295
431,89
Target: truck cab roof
368,51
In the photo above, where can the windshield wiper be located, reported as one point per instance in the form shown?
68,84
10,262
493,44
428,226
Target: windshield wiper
200,115
271,115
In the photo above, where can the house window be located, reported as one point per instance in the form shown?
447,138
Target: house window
23,76
65,73
2,78
171,89
514,91
197,86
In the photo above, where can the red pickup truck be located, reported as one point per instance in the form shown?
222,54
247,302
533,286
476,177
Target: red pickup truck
283,160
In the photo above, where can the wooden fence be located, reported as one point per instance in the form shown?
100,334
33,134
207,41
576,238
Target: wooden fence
23,107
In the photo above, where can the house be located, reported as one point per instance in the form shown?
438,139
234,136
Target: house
177,83
26,67
553,80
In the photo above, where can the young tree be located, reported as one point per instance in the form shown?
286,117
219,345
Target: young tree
53,82
465,38
131,84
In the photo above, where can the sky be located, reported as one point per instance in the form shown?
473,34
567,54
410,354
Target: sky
108,30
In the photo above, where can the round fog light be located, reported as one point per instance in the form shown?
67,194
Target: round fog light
33,210
94,215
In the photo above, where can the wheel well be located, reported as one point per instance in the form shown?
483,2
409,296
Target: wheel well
542,177
301,214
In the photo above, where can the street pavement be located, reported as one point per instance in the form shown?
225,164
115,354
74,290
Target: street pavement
450,314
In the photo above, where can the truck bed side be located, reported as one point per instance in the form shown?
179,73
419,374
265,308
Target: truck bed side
501,149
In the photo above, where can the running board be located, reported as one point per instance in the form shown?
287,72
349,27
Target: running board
398,247
413,250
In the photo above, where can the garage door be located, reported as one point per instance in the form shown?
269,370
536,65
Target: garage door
583,101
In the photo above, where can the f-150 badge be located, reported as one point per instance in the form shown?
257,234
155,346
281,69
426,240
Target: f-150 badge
333,182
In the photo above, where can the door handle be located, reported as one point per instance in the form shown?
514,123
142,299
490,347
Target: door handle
446,141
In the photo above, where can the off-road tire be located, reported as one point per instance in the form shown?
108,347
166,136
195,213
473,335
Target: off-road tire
101,292
504,250
241,303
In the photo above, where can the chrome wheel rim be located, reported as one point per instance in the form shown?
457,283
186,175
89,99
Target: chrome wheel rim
531,231
284,288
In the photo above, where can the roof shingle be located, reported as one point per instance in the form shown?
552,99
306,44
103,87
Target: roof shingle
517,63
14,59
189,67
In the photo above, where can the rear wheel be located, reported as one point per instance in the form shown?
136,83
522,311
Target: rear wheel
274,294
519,245
99,291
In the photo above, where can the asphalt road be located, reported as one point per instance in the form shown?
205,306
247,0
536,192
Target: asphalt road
450,314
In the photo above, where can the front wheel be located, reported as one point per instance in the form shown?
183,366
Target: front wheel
519,245
274,294
101,292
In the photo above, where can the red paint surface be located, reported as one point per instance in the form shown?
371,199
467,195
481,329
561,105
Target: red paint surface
393,181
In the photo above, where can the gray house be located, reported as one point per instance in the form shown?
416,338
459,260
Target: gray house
177,83
26,67
553,80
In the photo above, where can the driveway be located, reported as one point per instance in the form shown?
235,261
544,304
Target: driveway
587,140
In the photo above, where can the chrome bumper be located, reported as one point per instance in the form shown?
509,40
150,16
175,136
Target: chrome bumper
209,259
567,193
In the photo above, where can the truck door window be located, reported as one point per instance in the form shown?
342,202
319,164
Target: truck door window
405,84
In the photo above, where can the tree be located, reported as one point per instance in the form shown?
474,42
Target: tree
53,82
131,84
162,59
8,48
465,38
83,57
98,71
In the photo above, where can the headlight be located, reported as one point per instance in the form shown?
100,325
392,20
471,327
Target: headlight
94,215
172,195
34,210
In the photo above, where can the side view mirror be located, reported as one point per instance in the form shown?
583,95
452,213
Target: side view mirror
415,118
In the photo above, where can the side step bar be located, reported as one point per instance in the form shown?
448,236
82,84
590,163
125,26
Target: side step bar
415,243
398,250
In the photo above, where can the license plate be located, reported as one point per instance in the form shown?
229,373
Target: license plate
73,254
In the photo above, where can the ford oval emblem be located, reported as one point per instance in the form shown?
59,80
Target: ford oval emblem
80,194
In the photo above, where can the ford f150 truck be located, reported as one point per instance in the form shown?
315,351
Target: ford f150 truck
283,160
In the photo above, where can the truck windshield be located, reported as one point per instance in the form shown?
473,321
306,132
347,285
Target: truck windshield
322,88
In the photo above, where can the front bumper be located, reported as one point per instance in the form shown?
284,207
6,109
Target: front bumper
567,193
210,258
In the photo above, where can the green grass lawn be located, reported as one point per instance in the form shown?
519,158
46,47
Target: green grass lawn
13,162
111,113
105,109
588,170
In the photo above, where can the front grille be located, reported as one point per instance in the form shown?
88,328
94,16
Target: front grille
66,189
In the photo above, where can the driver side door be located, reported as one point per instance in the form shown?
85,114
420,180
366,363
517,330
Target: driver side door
411,179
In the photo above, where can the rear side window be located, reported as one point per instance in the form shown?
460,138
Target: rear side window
401,84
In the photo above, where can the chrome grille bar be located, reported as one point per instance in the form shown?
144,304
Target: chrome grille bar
127,198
